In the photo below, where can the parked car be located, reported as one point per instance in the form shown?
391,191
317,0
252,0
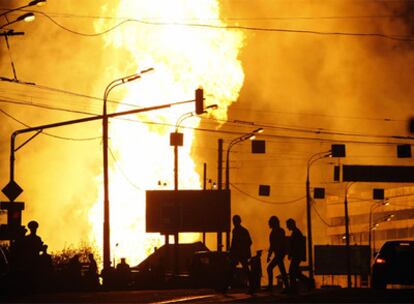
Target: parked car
394,264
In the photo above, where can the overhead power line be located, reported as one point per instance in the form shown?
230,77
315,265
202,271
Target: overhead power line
49,134
265,201
403,38
214,130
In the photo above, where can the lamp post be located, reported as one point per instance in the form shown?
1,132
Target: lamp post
315,157
31,3
176,138
372,208
28,17
375,226
347,238
234,142
106,225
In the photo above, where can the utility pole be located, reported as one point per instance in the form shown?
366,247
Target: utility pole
220,187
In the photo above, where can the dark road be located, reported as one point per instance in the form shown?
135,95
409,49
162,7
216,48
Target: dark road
357,295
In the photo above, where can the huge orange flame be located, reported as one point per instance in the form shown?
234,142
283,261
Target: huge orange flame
184,57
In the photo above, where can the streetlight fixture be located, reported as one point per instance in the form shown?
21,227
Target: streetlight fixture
374,206
244,137
337,150
176,138
28,17
374,227
106,225
31,3
315,157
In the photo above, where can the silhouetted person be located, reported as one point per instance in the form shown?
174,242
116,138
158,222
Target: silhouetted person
297,253
33,245
278,247
123,273
91,275
256,270
240,247
74,272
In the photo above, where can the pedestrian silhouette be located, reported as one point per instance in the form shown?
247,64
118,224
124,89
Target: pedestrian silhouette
33,243
123,272
256,270
296,254
74,273
32,246
91,275
277,248
240,247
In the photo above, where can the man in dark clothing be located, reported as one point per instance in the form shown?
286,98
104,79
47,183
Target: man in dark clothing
33,243
91,275
278,247
240,247
297,253
123,272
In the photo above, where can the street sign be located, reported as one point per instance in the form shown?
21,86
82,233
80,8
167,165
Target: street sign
264,190
12,190
385,174
170,211
331,259
319,193
258,146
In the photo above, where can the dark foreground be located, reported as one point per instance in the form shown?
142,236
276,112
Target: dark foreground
356,295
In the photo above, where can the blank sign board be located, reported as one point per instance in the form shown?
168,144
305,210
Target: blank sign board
169,211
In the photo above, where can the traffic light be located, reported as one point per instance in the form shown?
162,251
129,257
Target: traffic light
14,212
199,101
338,150
404,151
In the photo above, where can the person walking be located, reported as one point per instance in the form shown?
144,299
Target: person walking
297,253
240,248
277,248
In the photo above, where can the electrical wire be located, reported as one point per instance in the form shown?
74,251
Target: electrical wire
320,217
200,129
227,27
122,171
49,134
265,201
67,92
263,125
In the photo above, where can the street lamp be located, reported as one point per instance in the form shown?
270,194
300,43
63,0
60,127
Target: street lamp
315,157
374,227
106,225
31,3
374,206
28,17
176,138
250,135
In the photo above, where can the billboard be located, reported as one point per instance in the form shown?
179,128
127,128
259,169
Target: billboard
390,174
332,259
170,211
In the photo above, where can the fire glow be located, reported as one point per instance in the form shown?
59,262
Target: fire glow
184,57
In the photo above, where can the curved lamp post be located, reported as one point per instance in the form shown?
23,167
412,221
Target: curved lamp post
106,225
234,142
315,157
176,138
31,3
375,225
28,17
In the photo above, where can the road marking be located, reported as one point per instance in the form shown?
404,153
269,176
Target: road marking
183,299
